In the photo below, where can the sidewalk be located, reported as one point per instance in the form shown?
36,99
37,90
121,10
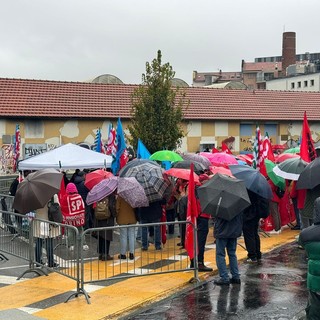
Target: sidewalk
43,297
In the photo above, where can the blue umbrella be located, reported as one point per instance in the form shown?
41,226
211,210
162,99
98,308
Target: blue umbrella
253,180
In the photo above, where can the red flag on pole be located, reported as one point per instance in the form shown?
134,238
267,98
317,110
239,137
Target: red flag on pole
307,151
225,148
266,153
192,213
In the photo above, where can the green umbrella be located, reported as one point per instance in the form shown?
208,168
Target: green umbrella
278,181
166,155
292,150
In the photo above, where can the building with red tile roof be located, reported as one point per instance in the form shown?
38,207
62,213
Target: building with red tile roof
55,112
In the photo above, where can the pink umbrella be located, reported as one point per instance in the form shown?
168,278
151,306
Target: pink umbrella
220,159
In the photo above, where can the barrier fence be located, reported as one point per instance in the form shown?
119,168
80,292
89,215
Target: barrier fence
49,246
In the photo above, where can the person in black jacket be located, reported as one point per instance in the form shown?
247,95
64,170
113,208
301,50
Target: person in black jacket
251,219
79,180
226,234
151,214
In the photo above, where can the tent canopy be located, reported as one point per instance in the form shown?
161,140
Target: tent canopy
68,156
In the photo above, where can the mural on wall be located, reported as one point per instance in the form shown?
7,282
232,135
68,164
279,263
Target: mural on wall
6,158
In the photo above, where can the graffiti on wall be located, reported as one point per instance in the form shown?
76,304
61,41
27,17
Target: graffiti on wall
6,158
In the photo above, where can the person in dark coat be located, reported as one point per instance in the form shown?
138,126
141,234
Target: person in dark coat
106,236
226,234
151,214
251,219
309,239
79,180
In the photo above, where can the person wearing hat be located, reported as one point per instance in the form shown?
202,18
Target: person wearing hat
73,211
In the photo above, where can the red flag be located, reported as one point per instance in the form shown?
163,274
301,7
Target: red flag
192,213
214,150
225,148
307,151
265,153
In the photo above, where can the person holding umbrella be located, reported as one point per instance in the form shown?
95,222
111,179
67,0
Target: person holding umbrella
258,209
44,233
73,211
126,216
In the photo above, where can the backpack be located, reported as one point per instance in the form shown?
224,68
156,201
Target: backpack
102,211
54,212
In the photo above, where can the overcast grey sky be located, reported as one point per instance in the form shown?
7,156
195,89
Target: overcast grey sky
76,40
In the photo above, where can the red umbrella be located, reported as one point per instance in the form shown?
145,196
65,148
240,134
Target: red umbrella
221,170
285,156
244,157
94,177
221,159
182,174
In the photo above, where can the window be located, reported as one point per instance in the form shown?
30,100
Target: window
311,83
305,83
299,84
292,85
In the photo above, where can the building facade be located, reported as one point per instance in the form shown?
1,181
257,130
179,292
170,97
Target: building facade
51,113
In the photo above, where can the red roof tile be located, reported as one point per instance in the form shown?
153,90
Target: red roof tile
54,99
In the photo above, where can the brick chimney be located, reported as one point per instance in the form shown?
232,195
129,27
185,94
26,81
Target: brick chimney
288,50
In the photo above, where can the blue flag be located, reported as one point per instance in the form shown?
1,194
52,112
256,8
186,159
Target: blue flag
142,151
121,155
97,141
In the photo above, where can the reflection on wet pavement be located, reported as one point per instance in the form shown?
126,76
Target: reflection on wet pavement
276,289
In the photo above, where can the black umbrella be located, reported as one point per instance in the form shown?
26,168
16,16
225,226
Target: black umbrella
223,196
253,180
36,190
185,164
310,176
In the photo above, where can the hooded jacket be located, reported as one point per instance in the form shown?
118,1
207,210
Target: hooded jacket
310,239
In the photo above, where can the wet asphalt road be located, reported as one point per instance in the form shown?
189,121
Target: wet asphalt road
275,290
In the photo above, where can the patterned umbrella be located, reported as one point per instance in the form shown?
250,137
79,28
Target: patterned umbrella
102,189
151,178
198,158
132,191
134,163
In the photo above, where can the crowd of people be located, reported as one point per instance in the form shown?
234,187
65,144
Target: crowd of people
288,208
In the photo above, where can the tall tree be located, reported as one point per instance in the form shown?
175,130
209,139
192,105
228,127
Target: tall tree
157,109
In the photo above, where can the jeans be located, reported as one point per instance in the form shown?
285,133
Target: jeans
296,212
49,248
229,244
157,234
127,234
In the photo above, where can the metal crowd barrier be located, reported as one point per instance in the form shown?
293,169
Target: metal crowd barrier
23,236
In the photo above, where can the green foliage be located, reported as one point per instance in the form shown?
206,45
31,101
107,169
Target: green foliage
157,109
